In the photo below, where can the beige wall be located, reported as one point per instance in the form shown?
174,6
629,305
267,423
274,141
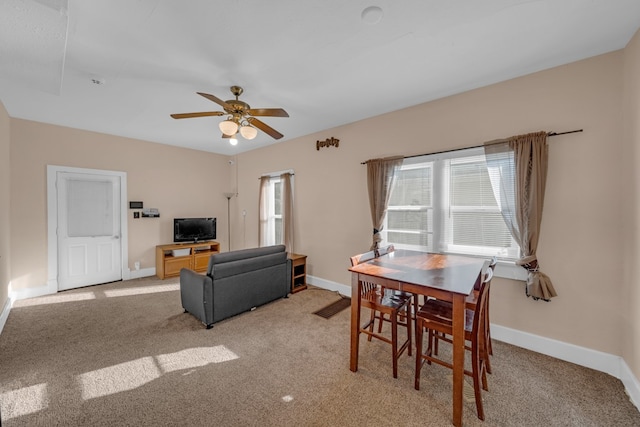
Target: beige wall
5,253
178,182
581,224
631,205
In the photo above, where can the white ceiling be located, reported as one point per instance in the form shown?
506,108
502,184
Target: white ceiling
323,61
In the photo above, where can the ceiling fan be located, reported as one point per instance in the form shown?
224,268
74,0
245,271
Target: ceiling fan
240,117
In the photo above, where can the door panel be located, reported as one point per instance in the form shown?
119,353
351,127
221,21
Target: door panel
105,257
89,245
77,263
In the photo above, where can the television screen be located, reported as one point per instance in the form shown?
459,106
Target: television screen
194,229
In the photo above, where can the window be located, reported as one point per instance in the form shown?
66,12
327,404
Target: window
271,209
409,219
445,203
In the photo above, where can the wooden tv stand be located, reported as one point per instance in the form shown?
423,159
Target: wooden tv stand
196,257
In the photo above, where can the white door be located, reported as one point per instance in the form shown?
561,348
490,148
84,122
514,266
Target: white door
88,229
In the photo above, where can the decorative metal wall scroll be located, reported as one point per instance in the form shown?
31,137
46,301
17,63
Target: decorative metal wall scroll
328,143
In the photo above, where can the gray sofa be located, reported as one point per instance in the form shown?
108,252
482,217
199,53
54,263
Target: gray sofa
236,282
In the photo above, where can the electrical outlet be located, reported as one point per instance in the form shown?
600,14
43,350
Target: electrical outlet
137,265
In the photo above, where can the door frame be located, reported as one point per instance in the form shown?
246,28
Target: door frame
52,220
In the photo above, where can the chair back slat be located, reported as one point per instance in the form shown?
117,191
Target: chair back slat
482,306
384,251
368,256
359,259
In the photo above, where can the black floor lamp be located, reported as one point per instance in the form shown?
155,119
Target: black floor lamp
229,196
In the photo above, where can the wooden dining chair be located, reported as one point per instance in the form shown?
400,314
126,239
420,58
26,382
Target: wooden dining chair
472,301
382,303
437,319
414,298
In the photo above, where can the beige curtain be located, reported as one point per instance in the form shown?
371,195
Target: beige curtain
380,178
518,171
287,211
263,206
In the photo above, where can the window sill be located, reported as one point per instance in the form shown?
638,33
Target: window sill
509,270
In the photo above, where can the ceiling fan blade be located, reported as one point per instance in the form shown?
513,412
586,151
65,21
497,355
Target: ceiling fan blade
216,100
203,114
265,128
275,112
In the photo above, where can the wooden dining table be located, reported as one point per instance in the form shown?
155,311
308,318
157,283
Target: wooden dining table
445,277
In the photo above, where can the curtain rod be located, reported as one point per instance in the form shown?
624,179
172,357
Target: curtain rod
277,174
497,141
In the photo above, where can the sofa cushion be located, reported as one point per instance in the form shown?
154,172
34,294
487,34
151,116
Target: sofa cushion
233,268
227,257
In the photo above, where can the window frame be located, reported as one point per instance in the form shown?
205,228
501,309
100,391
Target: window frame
275,227
442,209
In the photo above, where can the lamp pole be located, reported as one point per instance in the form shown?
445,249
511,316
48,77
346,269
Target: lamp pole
229,196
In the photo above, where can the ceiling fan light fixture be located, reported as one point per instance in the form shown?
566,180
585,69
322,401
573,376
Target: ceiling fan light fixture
228,127
233,140
248,132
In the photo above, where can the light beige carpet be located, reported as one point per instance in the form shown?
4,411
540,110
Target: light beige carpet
125,354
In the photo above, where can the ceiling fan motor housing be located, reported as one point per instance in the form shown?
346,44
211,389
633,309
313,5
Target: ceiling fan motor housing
237,107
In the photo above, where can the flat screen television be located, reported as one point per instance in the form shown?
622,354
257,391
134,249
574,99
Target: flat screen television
194,229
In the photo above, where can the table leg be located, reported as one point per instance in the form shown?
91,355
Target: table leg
355,320
458,356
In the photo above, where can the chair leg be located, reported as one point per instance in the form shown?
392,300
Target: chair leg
430,345
380,322
394,344
436,343
416,306
419,329
409,333
475,370
372,320
483,371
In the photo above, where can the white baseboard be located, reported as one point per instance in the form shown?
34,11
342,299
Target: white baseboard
603,362
593,359
144,272
631,384
48,289
4,315
327,284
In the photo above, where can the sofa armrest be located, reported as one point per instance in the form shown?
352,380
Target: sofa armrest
196,293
